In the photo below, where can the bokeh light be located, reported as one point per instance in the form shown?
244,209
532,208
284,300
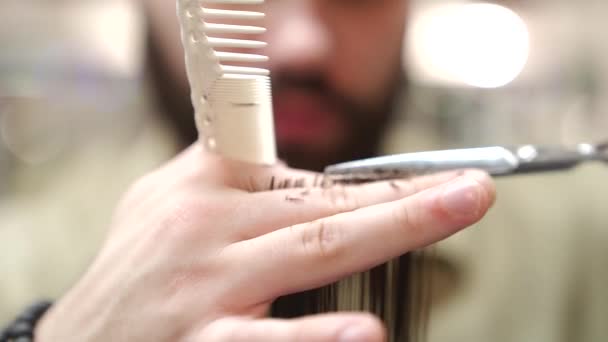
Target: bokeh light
476,44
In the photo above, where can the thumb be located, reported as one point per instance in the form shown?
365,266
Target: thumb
342,327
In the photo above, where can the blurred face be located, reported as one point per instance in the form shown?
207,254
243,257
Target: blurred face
335,67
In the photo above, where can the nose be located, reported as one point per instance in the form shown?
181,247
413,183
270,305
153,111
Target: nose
297,37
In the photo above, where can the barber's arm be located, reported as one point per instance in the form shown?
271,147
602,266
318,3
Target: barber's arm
200,248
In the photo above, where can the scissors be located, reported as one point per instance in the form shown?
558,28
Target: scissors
496,160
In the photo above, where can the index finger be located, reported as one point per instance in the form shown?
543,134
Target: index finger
294,206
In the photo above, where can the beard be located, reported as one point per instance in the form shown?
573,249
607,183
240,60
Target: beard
363,124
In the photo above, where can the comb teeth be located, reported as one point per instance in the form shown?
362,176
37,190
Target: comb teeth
205,30
215,32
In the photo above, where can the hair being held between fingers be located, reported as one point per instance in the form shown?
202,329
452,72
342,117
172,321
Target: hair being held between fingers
191,251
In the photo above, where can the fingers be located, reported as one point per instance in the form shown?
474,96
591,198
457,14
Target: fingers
314,254
322,328
297,200
294,206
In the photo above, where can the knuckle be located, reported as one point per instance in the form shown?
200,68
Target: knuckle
175,218
184,283
180,220
343,199
406,218
322,240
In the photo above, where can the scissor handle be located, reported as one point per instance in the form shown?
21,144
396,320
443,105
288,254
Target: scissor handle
540,159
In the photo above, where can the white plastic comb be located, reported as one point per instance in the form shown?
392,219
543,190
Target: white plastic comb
233,104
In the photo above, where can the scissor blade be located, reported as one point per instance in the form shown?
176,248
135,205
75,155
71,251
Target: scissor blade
495,160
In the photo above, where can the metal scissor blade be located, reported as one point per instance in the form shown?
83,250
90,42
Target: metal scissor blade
495,160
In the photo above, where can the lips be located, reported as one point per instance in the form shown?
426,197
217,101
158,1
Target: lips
305,119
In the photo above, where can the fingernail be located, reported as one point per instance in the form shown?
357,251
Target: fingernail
354,333
461,197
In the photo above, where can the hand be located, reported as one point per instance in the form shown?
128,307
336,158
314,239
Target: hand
200,248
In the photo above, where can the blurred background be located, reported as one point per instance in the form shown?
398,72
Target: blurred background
538,74
77,126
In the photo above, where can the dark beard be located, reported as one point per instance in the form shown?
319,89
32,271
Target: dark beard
367,123
173,100
364,143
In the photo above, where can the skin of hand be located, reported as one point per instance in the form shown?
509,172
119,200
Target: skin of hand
201,247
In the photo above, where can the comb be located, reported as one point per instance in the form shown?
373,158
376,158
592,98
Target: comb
230,92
